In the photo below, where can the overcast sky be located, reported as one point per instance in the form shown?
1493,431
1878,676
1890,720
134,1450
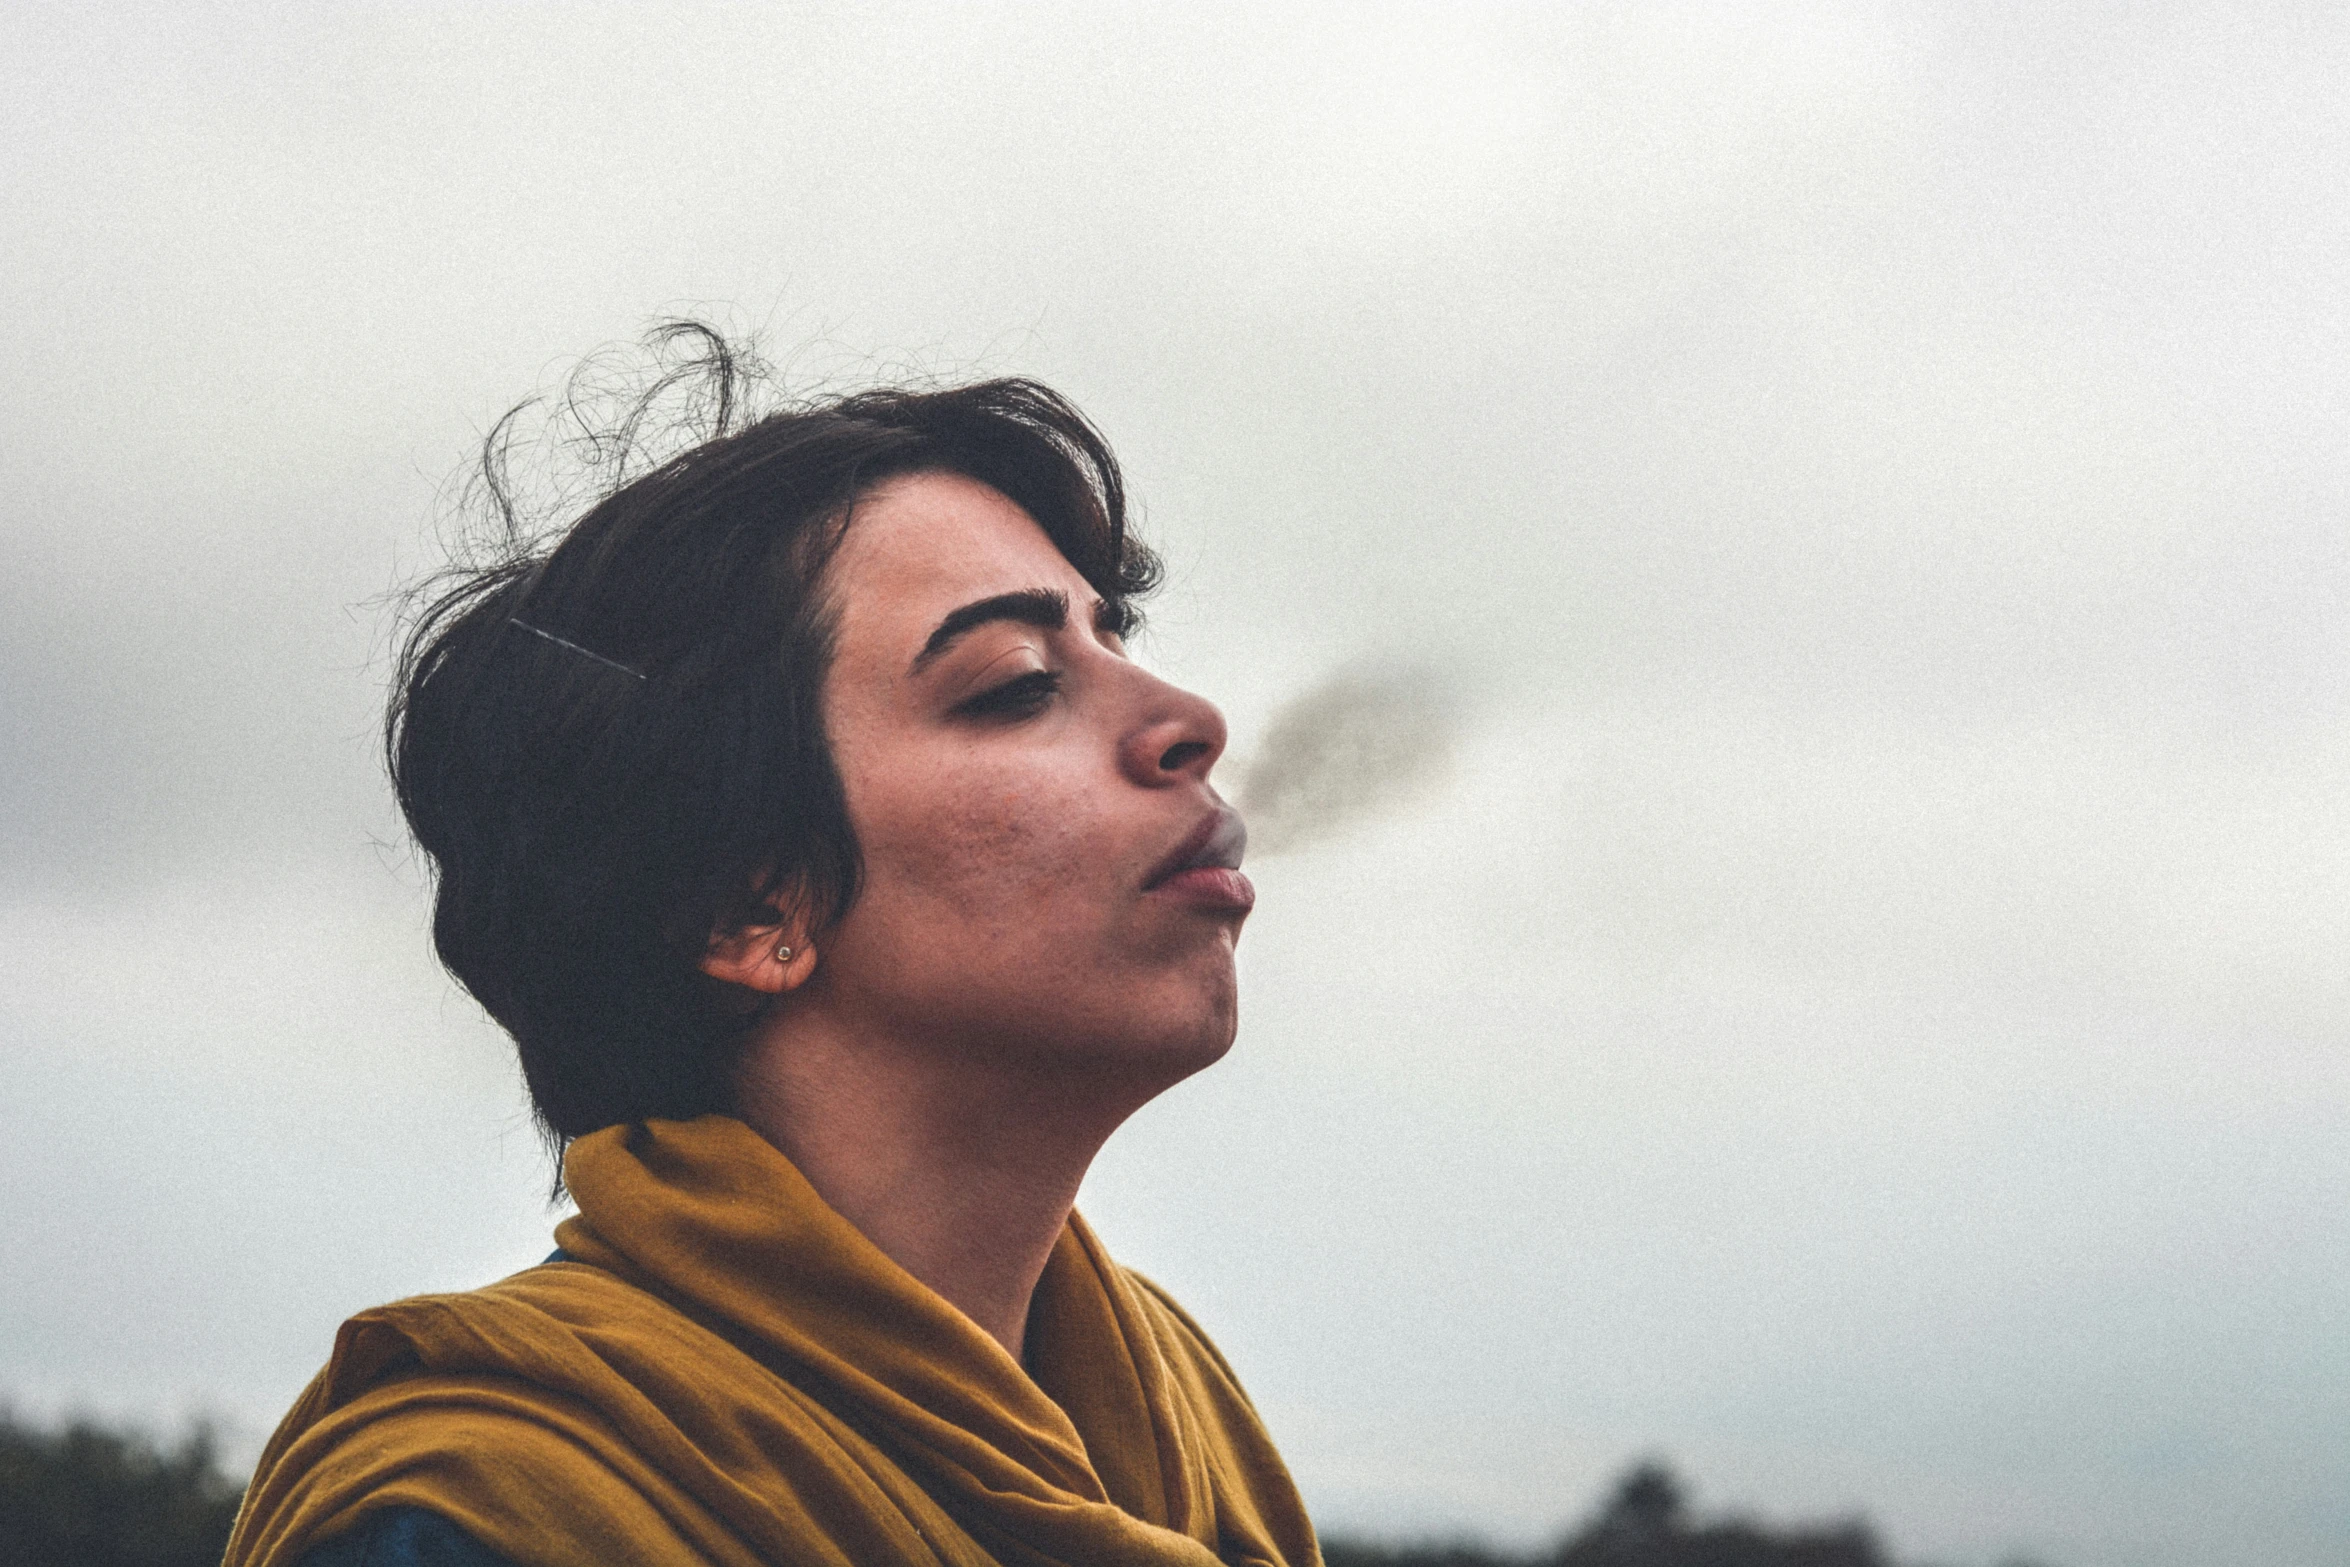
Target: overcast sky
1863,1016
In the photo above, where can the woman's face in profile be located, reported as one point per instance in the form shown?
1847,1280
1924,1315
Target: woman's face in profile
1047,870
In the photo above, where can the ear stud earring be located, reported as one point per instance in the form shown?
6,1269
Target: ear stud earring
783,954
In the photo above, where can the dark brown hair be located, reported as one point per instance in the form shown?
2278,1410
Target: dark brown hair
609,741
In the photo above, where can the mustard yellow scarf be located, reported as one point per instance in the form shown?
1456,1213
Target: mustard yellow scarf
731,1373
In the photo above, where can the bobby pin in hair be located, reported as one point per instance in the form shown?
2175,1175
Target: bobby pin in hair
608,663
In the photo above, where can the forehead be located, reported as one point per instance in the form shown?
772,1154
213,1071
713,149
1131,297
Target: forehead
921,545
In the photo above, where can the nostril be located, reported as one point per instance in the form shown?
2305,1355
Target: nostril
1177,757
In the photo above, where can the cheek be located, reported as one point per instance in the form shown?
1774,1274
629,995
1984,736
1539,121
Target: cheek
992,856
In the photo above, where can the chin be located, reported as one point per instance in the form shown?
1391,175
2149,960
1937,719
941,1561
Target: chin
1154,1042
1194,1043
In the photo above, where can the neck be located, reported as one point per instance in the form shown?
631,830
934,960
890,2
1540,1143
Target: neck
961,1165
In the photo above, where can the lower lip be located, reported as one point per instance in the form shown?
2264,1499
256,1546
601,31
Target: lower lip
1210,887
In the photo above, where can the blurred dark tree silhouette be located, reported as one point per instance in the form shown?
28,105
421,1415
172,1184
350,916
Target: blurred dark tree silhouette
84,1496
1645,1523
1341,1551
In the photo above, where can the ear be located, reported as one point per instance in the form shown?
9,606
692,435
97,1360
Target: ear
770,958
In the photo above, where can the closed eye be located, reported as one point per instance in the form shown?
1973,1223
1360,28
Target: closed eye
1020,697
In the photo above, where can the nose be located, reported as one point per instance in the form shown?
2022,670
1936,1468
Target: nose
1176,737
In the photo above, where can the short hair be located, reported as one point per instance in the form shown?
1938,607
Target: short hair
611,746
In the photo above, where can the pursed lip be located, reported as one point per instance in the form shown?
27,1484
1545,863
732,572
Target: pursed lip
1218,842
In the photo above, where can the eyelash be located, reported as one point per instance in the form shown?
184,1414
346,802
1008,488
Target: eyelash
1016,698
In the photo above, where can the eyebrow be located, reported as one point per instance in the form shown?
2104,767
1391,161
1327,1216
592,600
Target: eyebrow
1046,608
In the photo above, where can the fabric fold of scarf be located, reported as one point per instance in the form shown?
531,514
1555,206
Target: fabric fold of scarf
731,1373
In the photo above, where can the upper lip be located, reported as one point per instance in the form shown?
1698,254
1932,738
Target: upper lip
1220,839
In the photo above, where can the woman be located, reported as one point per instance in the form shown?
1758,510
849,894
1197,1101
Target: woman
844,886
